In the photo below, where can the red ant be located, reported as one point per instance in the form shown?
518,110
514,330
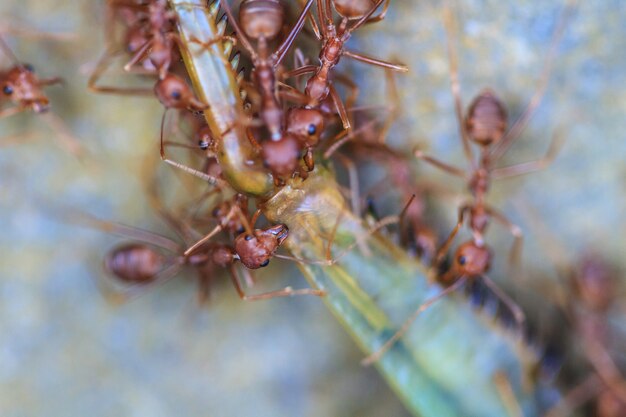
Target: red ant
262,20
485,126
141,263
593,285
149,40
333,38
21,86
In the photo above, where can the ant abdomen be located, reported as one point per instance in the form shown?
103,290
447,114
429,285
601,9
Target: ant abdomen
262,18
486,119
353,9
134,263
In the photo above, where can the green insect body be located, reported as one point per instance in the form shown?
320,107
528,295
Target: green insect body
215,82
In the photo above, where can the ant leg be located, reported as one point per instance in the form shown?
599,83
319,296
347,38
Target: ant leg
439,164
17,139
212,233
325,20
514,308
605,367
50,81
139,55
341,109
507,395
204,44
542,85
65,138
134,291
305,69
382,223
204,287
32,33
245,42
380,16
353,92
253,140
208,178
290,38
576,397
524,168
448,21
394,110
354,182
377,62
285,292
344,136
407,323
289,93
77,217
248,277
363,20
101,66
446,245
516,249
11,111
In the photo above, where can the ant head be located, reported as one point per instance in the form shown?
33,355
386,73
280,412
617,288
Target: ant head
21,86
353,9
282,156
471,259
306,124
256,249
594,282
486,119
174,93
261,18
134,263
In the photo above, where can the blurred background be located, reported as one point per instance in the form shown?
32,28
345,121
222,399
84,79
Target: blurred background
66,350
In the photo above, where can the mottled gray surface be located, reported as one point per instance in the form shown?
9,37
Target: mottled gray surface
65,351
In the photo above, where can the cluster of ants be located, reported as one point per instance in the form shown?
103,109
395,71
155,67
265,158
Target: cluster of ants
289,124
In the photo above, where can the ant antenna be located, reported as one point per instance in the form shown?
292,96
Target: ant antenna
8,52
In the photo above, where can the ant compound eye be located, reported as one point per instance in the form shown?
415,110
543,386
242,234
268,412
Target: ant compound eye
248,238
241,229
204,145
462,260
8,90
312,129
29,67
176,95
264,264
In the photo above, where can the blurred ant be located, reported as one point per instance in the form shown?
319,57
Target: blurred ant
24,89
485,126
592,296
149,39
588,294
